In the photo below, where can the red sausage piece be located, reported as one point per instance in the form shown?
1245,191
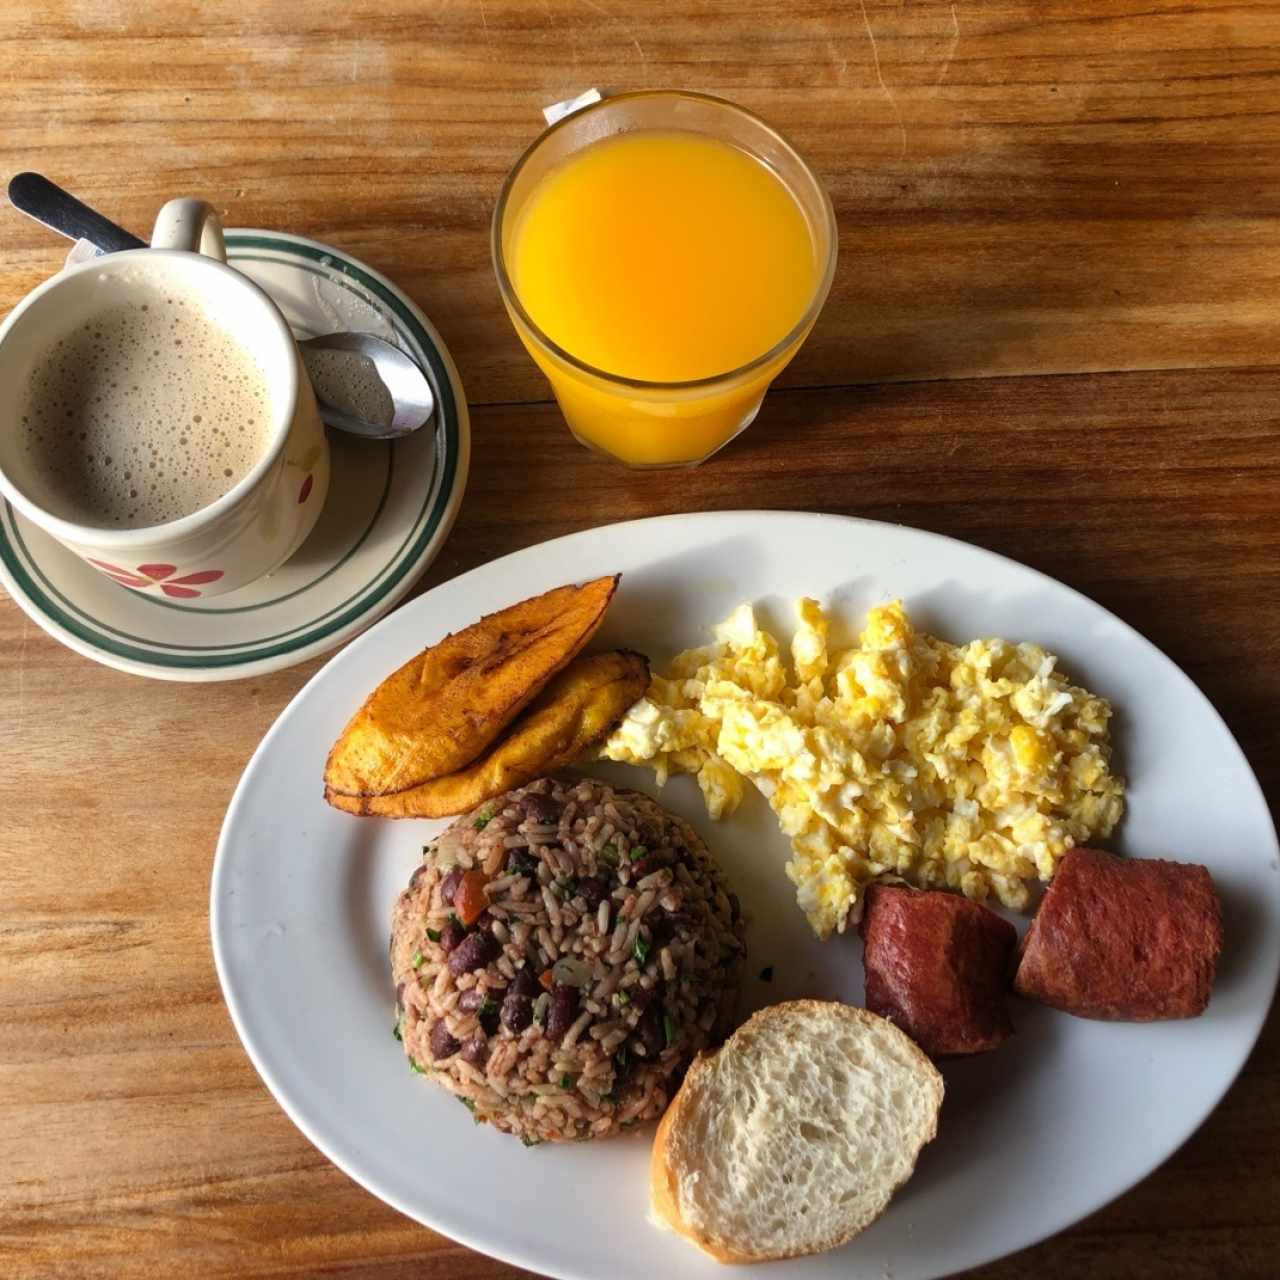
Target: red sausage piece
938,965
1123,939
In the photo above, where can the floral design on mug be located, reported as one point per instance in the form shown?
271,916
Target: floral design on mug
158,575
307,463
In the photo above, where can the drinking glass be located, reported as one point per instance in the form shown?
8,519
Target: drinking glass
661,424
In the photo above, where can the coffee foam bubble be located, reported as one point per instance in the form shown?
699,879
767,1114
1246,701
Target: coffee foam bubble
143,414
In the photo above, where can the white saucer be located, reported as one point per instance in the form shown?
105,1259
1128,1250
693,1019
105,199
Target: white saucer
389,509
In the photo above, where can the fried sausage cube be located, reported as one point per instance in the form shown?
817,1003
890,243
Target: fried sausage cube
938,966
1123,939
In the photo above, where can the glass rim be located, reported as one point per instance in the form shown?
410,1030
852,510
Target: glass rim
512,298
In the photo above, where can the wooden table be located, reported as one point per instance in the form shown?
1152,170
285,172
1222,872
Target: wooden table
1054,332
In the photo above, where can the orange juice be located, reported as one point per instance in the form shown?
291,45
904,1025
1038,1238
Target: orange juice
661,256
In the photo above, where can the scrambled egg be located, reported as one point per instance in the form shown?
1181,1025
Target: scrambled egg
972,767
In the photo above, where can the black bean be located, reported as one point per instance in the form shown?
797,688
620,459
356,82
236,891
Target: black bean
476,1050
667,924
526,984
522,863
470,1000
594,890
443,1045
474,1001
517,1012
541,808
661,932
449,885
473,952
417,875
642,998
483,921
451,936
649,1029
563,1012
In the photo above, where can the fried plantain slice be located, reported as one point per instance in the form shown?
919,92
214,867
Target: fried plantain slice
441,709
577,709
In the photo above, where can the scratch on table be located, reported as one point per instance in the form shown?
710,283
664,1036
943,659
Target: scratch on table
484,22
572,27
888,93
626,30
951,50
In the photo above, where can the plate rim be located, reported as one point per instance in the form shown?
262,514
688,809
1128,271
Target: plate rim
513,1255
437,527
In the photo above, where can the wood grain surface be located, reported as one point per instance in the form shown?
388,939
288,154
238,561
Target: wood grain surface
1023,189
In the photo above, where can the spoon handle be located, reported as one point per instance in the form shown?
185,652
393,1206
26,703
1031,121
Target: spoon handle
46,202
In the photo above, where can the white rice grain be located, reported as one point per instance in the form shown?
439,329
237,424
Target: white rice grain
579,1026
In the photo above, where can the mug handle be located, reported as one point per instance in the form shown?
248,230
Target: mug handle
192,225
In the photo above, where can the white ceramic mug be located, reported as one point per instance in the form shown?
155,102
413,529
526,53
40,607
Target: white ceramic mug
257,524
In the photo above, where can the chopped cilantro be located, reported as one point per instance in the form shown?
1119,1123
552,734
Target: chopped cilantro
417,1070
433,934
395,1031
638,852
609,855
483,820
490,1006
531,1142
622,998
640,951
417,959
466,1102
669,1029
453,919
566,1081
766,974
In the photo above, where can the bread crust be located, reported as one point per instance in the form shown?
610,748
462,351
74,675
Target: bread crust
664,1178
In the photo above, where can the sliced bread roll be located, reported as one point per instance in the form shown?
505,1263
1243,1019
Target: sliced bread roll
794,1136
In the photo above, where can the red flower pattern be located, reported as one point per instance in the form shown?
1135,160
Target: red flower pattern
161,575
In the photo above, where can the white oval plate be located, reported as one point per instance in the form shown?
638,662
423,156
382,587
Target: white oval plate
1056,1123
389,509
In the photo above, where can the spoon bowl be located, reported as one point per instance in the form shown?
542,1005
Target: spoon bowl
367,387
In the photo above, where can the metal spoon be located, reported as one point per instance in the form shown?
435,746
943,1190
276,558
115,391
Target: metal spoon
367,387
363,384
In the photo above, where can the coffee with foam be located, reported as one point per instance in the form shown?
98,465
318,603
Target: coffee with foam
143,414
